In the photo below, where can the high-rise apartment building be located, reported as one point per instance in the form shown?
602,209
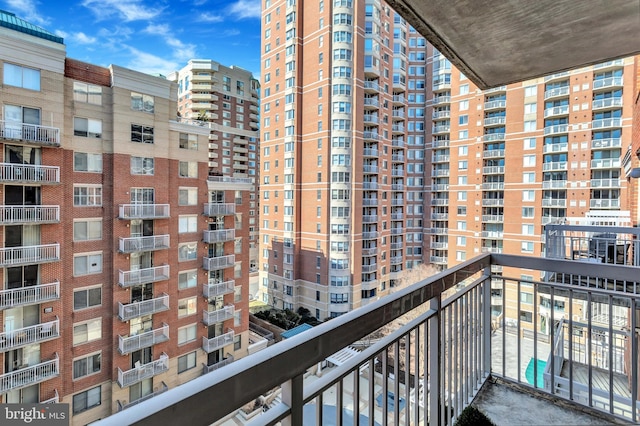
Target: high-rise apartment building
120,267
378,155
227,99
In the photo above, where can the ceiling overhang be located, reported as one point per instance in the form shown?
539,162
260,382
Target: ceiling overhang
497,42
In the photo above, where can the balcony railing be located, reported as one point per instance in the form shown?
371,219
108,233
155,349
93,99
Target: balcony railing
219,235
555,147
555,111
495,104
557,92
213,289
219,315
29,335
606,103
144,211
29,295
218,342
489,137
609,82
128,344
27,255
142,372
17,215
30,375
29,173
560,128
143,276
605,163
220,262
608,143
606,123
157,391
140,244
31,133
219,209
145,307
213,367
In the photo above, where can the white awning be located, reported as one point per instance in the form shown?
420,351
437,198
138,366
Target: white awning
342,356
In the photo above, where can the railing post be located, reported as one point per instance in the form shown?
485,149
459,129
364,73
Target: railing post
434,363
292,397
486,322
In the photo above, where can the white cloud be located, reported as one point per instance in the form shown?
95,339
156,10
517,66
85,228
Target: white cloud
245,9
151,64
180,51
82,38
61,33
27,10
129,10
210,17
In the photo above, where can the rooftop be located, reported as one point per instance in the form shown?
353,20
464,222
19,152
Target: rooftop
11,21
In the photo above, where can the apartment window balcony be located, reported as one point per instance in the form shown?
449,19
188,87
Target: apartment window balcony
605,163
439,86
371,86
439,231
370,235
372,251
143,276
436,130
397,128
616,63
440,143
491,137
219,236
371,169
396,260
557,129
606,123
220,262
219,209
492,202
144,211
554,202
370,119
17,215
554,184
370,152
556,111
440,159
29,255
397,202
397,216
146,307
604,203
441,100
554,166
493,218
367,269
29,295
558,92
29,174
557,76
213,367
493,170
493,153
397,158
607,103
157,391
440,114
30,375
397,142
439,201
608,83
440,187
53,400
219,342
605,183
213,288
495,121
230,179
30,133
439,245
439,216
370,136
140,244
219,315
397,230
498,104
144,371
398,99
495,250
493,186
438,260
610,143
371,186
555,147
128,344
370,218
29,335
492,234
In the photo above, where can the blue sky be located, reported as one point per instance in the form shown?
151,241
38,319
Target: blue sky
152,36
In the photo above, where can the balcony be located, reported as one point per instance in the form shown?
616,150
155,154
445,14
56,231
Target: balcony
605,163
439,216
397,187
437,245
370,136
29,335
491,137
439,231
440,159
128,344
219,209
30,375
610,143
492,202
213,288
371,235
606,123
29,174
493,186
604,203
558,92
213,367
370,169
493,153
370,251
557,129
369,218
144,211
370,186
554,184
556,111
18,215
158,390
143,276
219,342
371,86
440,172
440,143
554,202
140,244
398,99
367,269
607,103
439,115
29,295
438,260
144,371
495,121
608,83
29,255
493,218
441,100
32,134
370,152
146,307
499,104
492,235
220,262
440,129
369,119
555,147
605,183
397,128
219,236
439,201
493,170
555,166
219,315
397,230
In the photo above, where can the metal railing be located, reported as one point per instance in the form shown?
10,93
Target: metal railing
14,215
220,262
29,375
218,342
128,344
219,209
29,173
29,335
218,236
29,295
144,371
143,276
144,211
33,133
213,289
219,315
145,307
26,255
159,390
213,367
148,243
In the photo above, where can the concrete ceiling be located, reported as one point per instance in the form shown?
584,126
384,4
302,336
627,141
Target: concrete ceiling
496,42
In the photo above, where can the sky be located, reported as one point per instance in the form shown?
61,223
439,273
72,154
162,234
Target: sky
151,36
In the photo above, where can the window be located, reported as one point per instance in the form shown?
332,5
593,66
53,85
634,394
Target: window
140,102
187,334
529,161
463,119
463,165
186,362
463,134
27,78
85,162
463,150
87,399
87,264
87,229
187,196
188,169
86,366
526,316
530,108
89,195
529,143
461,255
87,127
464,105
187,224
339,298
527,247
530,126
89,93
188,141
461,241
462,225
462,195
142,165
237,341
87,297
187,251
141,134
87,331
527,229
187,279
528,195
187,306
529,177
528,212
526,297
530,91
464,89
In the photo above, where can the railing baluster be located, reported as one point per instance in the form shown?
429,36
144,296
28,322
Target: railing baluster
292,396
